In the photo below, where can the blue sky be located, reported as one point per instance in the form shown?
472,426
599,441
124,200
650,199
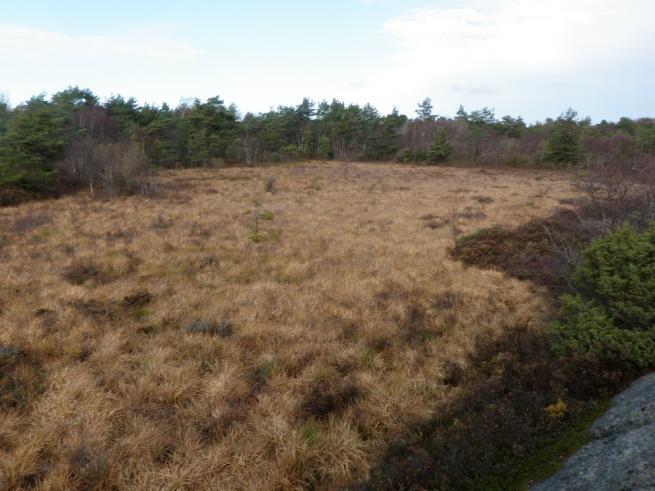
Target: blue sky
526,57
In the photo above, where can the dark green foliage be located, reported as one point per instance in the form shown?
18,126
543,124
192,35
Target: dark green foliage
618,273
420,156
324,149
210,129
51,145
31,144
382,140
586,329
481,125
124,112
440,150
165,138
74,98
405,155
563,146
613,315
512,127
424,110
5,114
290,153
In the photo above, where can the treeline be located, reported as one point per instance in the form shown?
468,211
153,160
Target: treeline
73,139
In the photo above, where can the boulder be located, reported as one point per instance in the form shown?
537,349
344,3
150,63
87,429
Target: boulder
621,454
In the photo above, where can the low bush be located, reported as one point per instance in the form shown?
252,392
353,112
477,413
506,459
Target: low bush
613,314
544,251
404,156
113,167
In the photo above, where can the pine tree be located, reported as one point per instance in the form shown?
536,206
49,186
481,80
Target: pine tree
324,149
440,150
563,146
31,145
424,110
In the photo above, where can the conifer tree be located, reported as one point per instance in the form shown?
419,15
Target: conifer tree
440,150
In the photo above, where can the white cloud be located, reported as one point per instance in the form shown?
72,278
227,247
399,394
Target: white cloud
529,57
511,47
150,62
26,42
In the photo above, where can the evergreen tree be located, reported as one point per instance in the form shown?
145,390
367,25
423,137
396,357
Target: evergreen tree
324,150
211,129
74,97
5,114
440,150
31,145
424,110
461,115
124,112
165,139
563,145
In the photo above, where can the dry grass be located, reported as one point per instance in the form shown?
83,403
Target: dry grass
164,343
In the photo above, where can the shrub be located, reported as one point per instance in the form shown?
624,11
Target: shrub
290,153
404,155
420,156
613,315
269,184
588,330
324,151
119,164
111,167
618,272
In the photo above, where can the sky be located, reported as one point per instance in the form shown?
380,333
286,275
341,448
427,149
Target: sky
532,58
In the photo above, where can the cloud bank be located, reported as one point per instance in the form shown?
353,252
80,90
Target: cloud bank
515,50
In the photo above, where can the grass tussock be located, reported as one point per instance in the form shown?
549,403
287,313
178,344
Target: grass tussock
155,344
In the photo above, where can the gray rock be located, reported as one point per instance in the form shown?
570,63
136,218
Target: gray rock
626,461
621,455
631,409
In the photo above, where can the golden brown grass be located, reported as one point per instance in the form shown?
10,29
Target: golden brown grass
342,321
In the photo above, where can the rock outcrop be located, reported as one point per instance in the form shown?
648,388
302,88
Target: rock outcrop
621,455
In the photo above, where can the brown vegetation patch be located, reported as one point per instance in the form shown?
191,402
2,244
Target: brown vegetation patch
136,300
416,325
161,223
347,330
539,251
99,310
20,378
30,221
470,213
82,272
484,200
47,317
12,196
222,328
329,396
500,418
